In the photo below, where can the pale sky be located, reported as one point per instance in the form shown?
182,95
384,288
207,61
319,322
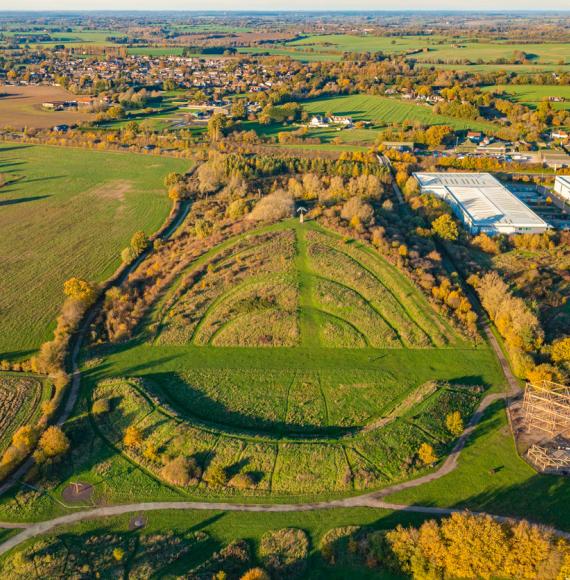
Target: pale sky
265,5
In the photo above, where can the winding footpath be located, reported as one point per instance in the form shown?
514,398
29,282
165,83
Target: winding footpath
369,500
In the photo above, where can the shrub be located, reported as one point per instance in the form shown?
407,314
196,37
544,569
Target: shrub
273,207
132,437
335,543
217,475
242,481
181,471
454,423
284,552
101,406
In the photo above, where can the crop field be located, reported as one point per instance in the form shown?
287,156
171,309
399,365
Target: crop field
20,400
22,107
381,111
532,95
53,210
433,47
287,362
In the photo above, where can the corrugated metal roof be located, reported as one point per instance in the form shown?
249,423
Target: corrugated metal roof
485,199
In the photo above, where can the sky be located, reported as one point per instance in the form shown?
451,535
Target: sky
265,5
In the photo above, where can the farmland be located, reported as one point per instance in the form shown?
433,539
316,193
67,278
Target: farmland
22,107
532,95
73,194
20,400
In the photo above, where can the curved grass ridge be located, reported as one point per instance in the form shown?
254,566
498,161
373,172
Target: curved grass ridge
279,463
298,285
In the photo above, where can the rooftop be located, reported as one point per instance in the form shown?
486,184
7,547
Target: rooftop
485,199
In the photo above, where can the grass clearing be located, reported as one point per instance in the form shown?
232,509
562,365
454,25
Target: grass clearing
532,95
51,219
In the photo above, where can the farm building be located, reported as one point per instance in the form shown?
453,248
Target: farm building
562,186
482,203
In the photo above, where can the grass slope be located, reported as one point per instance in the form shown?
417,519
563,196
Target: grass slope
69,213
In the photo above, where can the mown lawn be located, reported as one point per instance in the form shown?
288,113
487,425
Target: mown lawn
384,110
69,212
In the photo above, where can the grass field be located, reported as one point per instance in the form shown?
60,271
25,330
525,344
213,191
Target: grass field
254,367
532,95
383,110
21,107
68,212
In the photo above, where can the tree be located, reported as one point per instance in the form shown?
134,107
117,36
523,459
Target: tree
454,423
256,574
273,207
445,227
427,454
118,554
172,179
216,125
561,350
54,442
80,290
25,437
139,243
132,437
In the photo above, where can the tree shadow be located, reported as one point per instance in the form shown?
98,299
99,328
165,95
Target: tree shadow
22,200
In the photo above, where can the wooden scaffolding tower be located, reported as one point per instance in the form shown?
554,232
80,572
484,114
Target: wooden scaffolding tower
546,408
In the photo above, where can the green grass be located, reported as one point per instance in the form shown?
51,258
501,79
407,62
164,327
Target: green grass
492,477
224,527
383,111
290,415
532,95
69,213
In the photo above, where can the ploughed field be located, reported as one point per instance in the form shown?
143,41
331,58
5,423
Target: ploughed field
292,362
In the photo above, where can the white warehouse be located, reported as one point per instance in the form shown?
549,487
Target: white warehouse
482,203
562,186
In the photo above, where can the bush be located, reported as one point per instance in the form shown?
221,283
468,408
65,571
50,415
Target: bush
181,471
273,207
335,543
101,406
242,481
284,552
217,475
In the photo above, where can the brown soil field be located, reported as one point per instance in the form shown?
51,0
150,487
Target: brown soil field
22,107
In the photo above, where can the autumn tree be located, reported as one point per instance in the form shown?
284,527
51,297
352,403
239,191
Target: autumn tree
132,437
53,442
454,423
80,290
561,350
256,574
427,454
445,227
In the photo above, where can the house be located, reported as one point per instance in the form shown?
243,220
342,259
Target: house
475,136
562,186
318,121
560,134
399,145
482,203
61,128
339,120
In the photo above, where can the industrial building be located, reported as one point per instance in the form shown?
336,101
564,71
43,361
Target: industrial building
562,186
482,203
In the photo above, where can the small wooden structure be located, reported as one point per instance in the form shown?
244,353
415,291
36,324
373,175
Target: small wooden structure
549,458
546,408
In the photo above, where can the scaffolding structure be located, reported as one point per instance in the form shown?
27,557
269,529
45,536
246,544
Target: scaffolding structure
549,459
546,408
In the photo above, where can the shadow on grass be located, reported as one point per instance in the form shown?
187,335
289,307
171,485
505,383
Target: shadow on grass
199,407
22,200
